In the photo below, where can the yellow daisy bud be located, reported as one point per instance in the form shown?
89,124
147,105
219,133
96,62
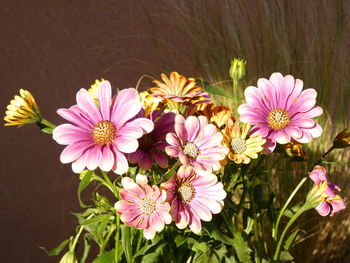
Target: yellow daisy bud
69,257
22,110
342,140
94,90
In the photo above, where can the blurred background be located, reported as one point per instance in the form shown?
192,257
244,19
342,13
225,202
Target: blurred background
54,48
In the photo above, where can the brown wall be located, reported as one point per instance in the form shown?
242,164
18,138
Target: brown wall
54,48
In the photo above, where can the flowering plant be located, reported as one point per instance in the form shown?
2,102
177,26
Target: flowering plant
178,178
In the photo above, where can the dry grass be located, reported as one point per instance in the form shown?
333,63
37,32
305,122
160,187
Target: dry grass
308,39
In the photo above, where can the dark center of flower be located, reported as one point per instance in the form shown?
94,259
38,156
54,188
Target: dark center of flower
103,132
146,141
191,150
186,192
147,206
278,119
238,145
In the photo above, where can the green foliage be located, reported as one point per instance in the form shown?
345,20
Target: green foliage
56,251
212,89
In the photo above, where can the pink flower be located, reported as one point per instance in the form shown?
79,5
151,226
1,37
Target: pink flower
281,110
193,198
196,143
152,145
143,206
330,202
100,135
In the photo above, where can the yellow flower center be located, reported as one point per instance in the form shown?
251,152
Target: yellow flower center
186,192
238,145
191,150
103,132
278,119
147,206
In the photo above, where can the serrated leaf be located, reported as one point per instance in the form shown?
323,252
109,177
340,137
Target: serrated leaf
106,257
57,250
241,247
82,185
212,89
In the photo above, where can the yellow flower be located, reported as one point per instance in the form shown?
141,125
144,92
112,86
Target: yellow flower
218,115
178,92
295,149
94,90
148,102
22,110
242,147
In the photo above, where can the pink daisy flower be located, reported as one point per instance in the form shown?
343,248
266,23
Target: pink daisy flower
143,206
193,198
196,143
281,110
99,136
152,145
331,202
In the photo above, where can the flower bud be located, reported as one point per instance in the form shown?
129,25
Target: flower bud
237,69
69,257
22,110
94,90
342,140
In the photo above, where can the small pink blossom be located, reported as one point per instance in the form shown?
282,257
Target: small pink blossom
100,136
281,110
143,206
194,198
331,202
196,143
152,145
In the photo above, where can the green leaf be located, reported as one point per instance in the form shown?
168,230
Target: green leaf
106,257
85,181
150,258
126,243
217,235
87,246
241,247
57,250
286,256
96,219
147,246
102,227
291,239
180,240
212,89
289,212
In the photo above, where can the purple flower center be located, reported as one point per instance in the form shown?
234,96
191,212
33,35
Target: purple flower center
278,119
186,192
146,141
238,145
147,206
103,132
191,150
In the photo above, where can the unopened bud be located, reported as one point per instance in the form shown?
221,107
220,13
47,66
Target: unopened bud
237,69
342,140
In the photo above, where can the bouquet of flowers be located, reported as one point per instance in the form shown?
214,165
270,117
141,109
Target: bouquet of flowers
177,178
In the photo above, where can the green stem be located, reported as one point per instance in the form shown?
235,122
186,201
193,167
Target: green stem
112,187
291,221
79,233
139,243
324,155
110,232
116,251
48,124
275,230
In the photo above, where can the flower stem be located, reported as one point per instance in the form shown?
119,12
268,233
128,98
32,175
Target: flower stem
47,123
79,233
291,221
116,251
324,155
275,230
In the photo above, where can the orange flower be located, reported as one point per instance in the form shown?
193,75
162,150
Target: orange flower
295,149
218,115
178,92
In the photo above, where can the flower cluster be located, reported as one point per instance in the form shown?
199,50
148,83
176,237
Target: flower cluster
178,155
